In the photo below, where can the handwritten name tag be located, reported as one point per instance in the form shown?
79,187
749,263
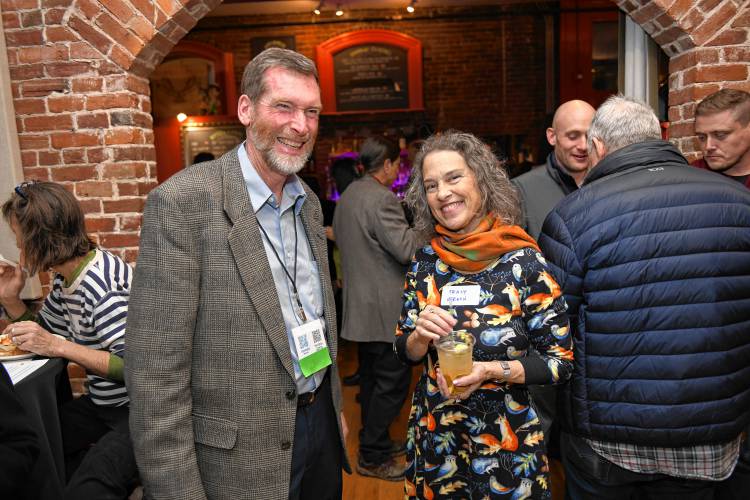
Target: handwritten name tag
460,295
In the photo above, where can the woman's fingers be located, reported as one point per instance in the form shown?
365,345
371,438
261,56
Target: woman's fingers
436,320
442,384
477,376
23,331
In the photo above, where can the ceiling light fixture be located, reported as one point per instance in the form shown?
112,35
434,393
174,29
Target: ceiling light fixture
339,12
317,10
411,7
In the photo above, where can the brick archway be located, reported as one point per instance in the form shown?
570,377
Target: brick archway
79,75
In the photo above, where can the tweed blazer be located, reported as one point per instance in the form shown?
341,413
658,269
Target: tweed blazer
207,364
376,245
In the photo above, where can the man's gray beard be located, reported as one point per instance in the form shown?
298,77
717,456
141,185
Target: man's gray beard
280,163
284,164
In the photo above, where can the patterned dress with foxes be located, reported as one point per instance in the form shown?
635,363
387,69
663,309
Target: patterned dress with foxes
491,444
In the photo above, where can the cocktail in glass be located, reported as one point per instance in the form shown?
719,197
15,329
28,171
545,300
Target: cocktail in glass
455,357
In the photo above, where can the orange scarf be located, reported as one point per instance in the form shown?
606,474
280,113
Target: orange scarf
474,251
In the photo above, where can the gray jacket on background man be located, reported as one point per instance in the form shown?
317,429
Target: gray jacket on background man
541,189
369,221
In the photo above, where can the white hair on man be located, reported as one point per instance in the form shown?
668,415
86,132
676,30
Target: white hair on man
621,121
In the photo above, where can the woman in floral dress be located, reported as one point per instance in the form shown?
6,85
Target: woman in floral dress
486,441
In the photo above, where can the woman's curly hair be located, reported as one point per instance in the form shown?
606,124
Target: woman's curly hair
497,191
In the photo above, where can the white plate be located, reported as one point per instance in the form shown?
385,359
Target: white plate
17,357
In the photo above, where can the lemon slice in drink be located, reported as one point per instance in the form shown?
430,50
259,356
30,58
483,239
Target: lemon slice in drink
458,348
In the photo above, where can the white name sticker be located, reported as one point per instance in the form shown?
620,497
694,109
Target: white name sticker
460,295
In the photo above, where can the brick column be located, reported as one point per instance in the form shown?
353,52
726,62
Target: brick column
79,72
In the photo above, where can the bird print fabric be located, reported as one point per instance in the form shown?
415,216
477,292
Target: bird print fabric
491,444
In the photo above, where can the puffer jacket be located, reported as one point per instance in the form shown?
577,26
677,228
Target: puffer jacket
654,260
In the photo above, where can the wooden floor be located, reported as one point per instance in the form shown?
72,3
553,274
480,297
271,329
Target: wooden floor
357,487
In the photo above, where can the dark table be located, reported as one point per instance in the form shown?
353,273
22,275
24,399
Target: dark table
41,393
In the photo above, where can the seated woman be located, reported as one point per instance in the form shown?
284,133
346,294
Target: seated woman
82,320
481,276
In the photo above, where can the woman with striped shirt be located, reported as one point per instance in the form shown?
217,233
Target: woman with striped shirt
82,320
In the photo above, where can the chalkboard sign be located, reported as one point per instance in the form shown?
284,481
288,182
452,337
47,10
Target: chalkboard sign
370,71
216,139
370,77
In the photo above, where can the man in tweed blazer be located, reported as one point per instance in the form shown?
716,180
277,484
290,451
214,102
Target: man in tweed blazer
232,259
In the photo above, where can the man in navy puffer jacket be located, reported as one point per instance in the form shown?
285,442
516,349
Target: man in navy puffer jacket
654,260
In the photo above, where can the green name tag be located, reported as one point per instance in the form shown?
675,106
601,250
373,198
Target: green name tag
310,344
315,362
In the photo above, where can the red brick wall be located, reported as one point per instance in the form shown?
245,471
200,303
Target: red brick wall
79,73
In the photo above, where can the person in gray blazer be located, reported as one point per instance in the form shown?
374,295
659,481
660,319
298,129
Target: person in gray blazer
376,244
231,355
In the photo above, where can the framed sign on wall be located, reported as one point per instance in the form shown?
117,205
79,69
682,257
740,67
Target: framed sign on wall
213,138
370,71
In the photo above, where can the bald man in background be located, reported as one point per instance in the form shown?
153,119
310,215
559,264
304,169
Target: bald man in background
541,189
565,168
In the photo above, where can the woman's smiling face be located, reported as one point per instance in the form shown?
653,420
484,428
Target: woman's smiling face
452,191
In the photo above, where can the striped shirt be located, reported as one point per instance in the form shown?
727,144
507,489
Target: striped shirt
92,312
712,462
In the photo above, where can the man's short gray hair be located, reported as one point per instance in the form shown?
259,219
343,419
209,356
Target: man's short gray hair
622,121
253,83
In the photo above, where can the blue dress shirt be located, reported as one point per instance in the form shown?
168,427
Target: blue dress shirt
278,220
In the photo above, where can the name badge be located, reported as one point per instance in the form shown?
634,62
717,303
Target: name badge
467,295
311,347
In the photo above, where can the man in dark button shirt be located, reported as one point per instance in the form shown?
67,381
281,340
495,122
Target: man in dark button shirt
722,124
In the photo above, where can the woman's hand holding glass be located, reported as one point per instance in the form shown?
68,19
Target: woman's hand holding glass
432,323
464,386
481,372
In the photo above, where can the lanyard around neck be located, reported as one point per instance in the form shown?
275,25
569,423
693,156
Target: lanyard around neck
292,279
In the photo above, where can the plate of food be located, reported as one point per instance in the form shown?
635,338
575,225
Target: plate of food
9,351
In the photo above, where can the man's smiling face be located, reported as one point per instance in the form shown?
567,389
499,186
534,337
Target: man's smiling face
284,120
